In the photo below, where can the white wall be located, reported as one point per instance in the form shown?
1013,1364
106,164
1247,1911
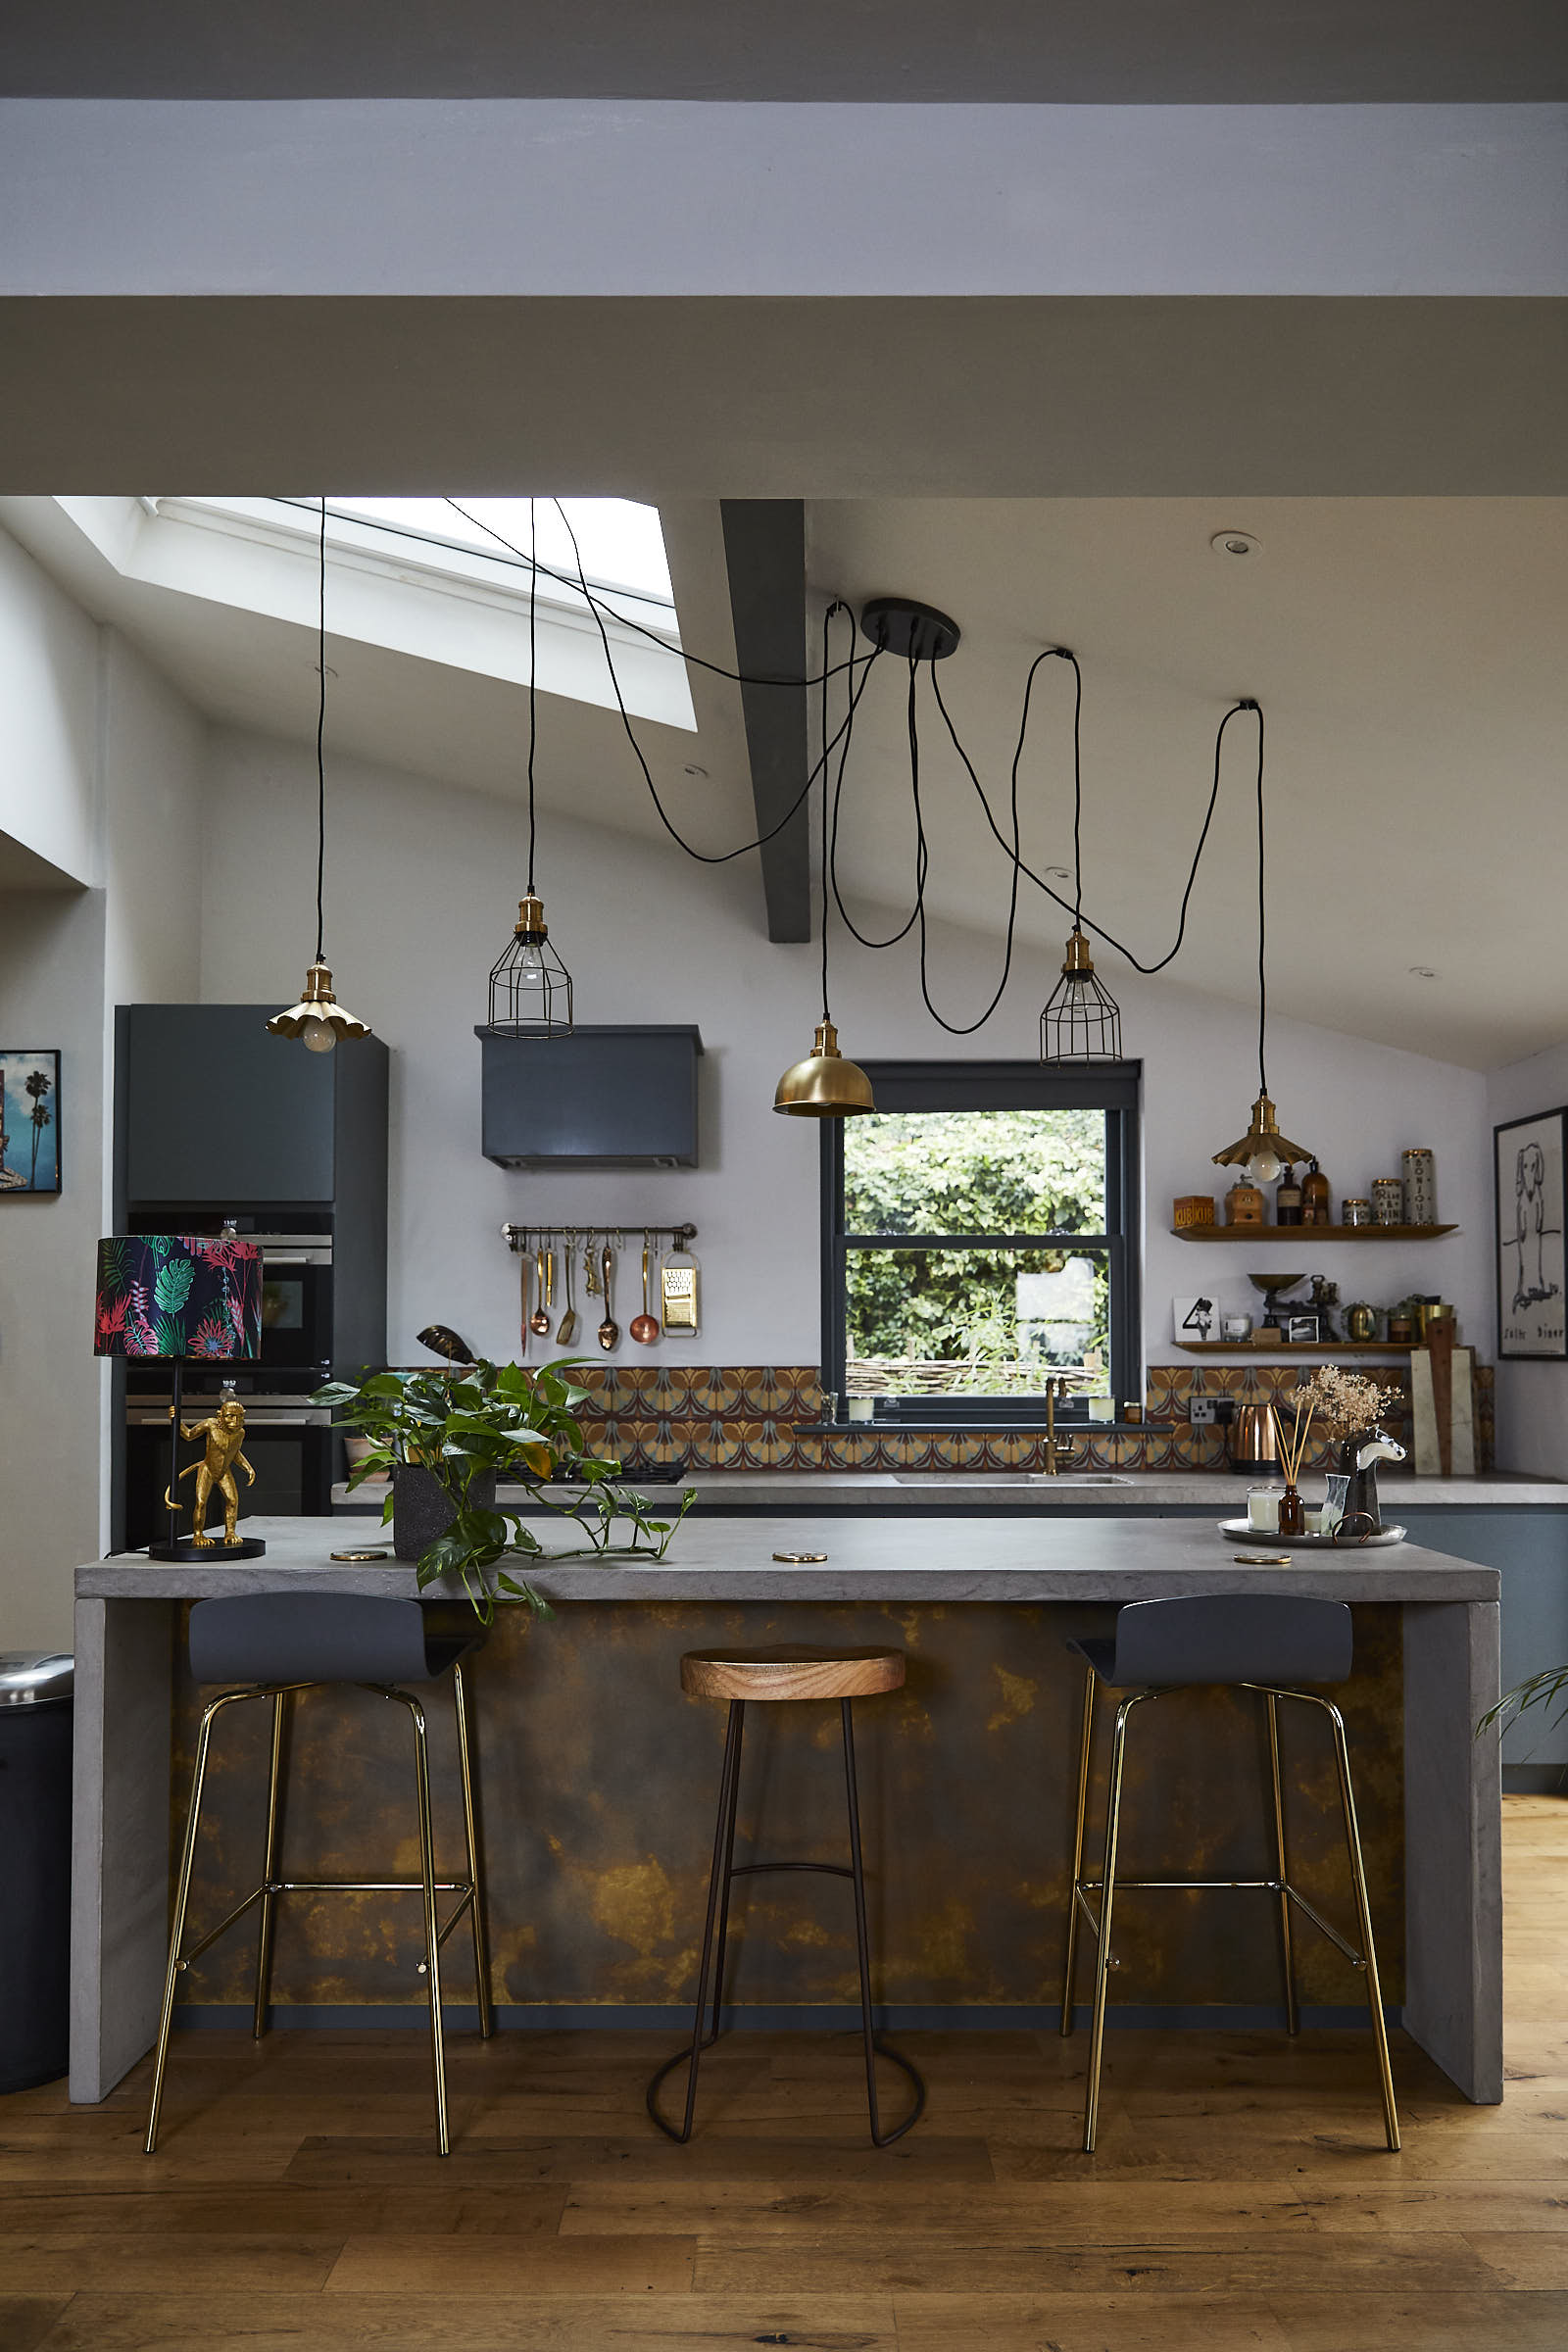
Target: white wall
100,773
421,890
1531,1398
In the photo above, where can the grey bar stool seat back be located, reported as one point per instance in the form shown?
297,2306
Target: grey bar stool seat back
1267,1642
275,1646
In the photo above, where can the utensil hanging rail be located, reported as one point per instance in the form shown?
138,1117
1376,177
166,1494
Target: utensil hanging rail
534,1236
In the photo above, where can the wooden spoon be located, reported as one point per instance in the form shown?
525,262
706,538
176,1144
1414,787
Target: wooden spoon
539,1320
608,1329
644,1327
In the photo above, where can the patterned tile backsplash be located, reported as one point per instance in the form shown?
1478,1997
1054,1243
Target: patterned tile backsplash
759,1417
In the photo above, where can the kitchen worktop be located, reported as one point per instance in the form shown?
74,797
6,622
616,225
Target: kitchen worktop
1223,1491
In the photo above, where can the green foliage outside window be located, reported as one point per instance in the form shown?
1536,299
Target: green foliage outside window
961,1315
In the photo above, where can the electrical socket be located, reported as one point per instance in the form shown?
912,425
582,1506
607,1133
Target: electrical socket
1203,1411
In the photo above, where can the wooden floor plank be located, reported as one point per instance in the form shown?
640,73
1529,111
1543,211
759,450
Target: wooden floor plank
94,2323
648,2157
25,2321
63,2262
1471,2322
966,2322
458,2267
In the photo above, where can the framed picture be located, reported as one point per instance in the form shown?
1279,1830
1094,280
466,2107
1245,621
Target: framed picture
1301,1330
29,1120
1529,1166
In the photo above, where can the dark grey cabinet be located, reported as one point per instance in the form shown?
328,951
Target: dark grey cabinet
603,1096
214,1109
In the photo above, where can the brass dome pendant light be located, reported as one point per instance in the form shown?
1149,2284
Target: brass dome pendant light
826,1084
530,988
318,1019
1082,1021
1262,1151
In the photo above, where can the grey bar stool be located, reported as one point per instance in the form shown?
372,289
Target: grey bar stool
777,1675
1253,1642
276,1644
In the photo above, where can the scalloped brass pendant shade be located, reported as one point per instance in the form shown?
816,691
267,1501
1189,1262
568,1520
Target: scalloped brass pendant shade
1264,1143
318,1019
825,1084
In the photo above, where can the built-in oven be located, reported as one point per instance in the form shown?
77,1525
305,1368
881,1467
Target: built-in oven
290,1446
296,1303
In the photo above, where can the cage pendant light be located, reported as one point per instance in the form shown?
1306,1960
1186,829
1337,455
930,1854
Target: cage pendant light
530,988
317,1017
827,1084
1082,1020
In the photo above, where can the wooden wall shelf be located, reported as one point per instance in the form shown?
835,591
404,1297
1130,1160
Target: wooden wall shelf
1245,1347
1310,1234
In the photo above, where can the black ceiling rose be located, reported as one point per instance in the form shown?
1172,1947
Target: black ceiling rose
897,624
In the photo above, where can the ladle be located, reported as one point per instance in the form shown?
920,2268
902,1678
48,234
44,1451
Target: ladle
539,1320
608,1329
644,1327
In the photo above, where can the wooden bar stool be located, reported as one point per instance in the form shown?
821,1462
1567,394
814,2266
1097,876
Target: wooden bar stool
1250,1641
274,1646
771,1676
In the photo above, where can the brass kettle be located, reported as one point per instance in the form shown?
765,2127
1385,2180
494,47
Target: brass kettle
1252,1439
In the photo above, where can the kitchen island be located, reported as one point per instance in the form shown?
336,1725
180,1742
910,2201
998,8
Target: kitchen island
597,1779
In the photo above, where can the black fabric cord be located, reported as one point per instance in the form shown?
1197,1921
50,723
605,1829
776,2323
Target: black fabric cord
320,753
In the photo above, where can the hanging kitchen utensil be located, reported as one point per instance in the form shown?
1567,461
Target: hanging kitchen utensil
608,1329
590,1273
539,1320
644,1327
566,1330
678,1287
522,1295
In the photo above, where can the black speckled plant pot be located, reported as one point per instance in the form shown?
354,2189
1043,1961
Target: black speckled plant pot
422,1509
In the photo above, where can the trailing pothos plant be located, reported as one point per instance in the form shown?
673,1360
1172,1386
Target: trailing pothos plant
518,1423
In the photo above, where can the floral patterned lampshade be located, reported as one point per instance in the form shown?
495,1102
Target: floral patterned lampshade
172,1296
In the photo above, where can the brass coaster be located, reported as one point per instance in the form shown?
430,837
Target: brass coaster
801,1560
359,1555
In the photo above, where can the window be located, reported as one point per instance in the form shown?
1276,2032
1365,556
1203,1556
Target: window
978,1235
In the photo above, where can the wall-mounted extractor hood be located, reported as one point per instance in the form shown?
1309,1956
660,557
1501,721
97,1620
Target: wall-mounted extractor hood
597,1097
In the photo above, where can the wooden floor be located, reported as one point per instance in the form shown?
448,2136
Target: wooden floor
1241,2195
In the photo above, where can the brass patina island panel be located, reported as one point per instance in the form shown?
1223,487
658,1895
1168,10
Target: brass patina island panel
598,1782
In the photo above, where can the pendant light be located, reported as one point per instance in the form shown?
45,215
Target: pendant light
1263,1151
1082,1021
825,1084
530,988
318,1019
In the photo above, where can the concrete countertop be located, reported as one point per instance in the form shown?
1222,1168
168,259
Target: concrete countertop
887,1490
867,1558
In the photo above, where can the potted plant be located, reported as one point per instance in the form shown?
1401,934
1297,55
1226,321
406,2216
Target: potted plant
446,1438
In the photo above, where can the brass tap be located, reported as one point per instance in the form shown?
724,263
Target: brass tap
1059,1451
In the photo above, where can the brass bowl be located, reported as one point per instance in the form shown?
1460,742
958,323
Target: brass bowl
1268,1284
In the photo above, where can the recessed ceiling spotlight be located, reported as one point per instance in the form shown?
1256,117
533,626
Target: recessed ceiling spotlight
696,772
1060,874
1423,972
1235,543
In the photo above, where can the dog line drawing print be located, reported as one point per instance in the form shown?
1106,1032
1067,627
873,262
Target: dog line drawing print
1532,1217
1532,1286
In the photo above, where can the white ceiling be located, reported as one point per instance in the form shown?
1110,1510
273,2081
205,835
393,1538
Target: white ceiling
1407,653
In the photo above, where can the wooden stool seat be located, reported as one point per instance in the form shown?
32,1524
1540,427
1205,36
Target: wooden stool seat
787,1670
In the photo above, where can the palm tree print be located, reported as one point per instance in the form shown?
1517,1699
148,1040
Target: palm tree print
37,1085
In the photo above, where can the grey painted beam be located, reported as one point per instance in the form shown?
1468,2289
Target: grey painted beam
764,552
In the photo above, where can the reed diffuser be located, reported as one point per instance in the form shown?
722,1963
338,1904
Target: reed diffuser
1293,1452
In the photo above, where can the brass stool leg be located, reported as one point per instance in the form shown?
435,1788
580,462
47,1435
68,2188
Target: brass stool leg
177,1936
1363,1909
432,1932
719,1885
1107,1891
264,1940
863,1947
1293,2020
1085,1740
481,1958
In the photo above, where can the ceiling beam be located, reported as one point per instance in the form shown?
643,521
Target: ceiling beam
764,552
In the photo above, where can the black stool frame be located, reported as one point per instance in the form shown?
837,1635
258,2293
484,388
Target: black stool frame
710,1974
272,1886
1280,1886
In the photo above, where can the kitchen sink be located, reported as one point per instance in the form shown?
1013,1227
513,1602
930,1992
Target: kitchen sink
1010,1478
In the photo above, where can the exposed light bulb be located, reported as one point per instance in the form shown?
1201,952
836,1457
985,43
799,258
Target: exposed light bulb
529,969
1264,1167
320,1036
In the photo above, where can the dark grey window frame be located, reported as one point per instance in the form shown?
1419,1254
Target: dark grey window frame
1116,1088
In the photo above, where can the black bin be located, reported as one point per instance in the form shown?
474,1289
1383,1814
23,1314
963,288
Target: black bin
35,1724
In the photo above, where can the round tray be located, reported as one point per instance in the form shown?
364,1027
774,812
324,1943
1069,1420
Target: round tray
1262,1539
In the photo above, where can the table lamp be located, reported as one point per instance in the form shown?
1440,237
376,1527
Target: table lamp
169,1298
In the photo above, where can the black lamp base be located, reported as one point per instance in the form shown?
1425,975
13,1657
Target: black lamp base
216,1555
